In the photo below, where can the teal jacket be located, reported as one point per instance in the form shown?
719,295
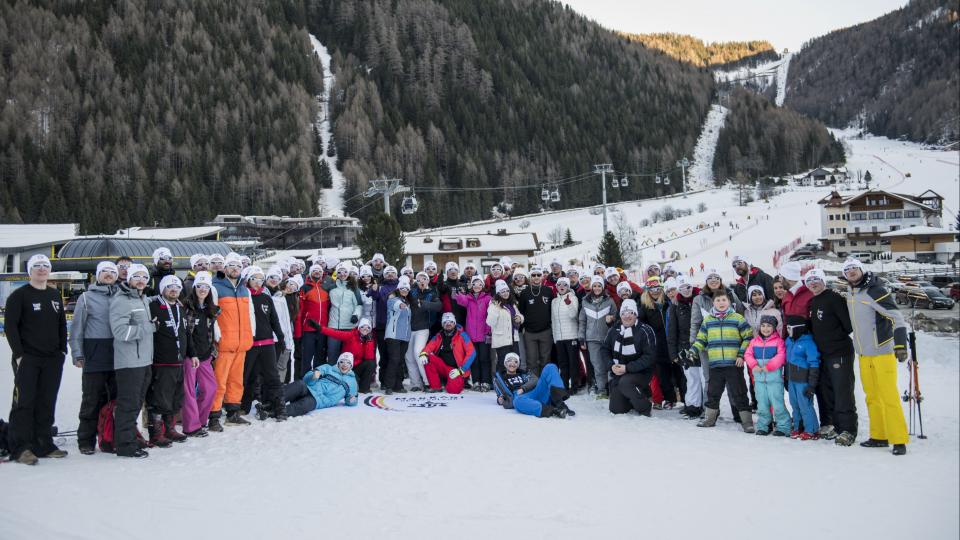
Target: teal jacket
332,386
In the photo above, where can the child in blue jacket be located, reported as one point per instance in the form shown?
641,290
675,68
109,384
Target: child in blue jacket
803,374
323,387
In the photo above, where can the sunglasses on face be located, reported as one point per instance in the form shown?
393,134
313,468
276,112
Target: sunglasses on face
108,271
165,259
713,278
536,275
41,265
234,265
202,287
138,277
123,266
655,289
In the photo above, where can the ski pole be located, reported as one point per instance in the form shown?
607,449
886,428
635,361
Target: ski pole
915,378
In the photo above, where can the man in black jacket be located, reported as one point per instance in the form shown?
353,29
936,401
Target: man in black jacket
170,344
831,328
538,335
749,275
163,267
631,346
260,361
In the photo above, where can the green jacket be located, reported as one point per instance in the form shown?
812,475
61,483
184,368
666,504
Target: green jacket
724,337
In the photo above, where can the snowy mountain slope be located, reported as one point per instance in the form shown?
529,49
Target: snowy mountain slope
781,76
334,471
700,174
331,199
761,76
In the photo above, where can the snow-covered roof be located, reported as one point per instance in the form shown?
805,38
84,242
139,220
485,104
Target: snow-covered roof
346,253
920,230
182,233
17,236
423,244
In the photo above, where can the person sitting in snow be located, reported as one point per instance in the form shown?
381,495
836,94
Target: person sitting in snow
447,357
326,386
524,392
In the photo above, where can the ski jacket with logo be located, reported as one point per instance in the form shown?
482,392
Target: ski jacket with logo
132,329
565,317
460,345
831,325
266,320
171,344
592,324
91,337
535,305
878,326
236,315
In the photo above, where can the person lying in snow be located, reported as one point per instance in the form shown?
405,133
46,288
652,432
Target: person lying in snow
543,397
323,387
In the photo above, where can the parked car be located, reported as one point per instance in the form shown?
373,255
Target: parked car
802,255
923,297
865,257
943,281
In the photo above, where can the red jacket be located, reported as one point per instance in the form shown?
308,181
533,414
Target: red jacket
314,305
463,351
612,289
363,349
797,303
441,287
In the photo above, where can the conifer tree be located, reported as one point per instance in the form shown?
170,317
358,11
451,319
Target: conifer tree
381,234
609,253
568,238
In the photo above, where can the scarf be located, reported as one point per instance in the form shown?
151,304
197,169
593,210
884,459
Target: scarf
624,348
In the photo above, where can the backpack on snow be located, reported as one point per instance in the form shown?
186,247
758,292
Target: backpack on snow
105,427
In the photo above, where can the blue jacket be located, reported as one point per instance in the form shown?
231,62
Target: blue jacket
332,386
380,296
803,352
398,320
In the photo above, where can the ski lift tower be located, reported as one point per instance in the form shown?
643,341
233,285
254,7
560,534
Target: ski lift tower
683,164
385,187
602,170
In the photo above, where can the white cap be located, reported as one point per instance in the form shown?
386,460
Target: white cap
421,274
669,267
231,258
852,263
345,358
403,283
624,286
470,265
475,278
406,270
511,358
274,271
161,253
430,264
752,288
681,280
315,268
106,266
250,271
815,274
501,286
497,264
197,257
137,269
556,262
610,272
573,269
519,272
377,257
216,257
653,265
596,279
713,272
450,266
629,305
507,262
670,283
351,269
563,281
364,322
738,258
245,258
599,266
331,262
202,278
297,280
791,271
170,281
536,270
448,317
390,270
366,270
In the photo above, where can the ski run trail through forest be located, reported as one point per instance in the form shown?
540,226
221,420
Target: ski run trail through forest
331,199
472,470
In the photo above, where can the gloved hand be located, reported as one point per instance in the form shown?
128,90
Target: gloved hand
423,359
901,354
354,319
454,373
78,362
809,391
313,324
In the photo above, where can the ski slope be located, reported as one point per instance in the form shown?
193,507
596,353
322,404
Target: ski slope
781,76
762,76
331,199
700,174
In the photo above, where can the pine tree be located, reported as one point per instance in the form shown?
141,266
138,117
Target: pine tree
609,253
568,238
381,234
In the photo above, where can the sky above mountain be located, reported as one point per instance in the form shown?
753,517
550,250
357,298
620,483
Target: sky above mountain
785,24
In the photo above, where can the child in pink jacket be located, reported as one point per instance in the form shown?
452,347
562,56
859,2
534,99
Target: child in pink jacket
765,358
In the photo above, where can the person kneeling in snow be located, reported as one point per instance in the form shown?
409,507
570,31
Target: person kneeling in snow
527,394
448,356
631,346
323,387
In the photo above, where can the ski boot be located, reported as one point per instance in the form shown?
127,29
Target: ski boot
170,431
213,422
899,449
875,443
805,436
828,432
845,439
710,420
234,419
156,430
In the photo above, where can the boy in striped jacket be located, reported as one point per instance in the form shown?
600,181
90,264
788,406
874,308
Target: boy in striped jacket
724,336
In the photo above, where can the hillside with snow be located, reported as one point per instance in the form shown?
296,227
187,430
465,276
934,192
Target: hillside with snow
331,199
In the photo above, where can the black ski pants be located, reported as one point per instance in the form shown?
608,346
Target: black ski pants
835,397
36,383
631,391
364,373
382,351
165,395
132,386
260,362
97,389
396,352
568,360
482,369
298,399
731,378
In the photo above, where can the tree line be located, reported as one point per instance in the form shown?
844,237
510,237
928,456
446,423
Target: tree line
720,55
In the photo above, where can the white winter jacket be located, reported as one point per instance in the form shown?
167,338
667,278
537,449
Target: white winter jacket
502,333
283,313
564,317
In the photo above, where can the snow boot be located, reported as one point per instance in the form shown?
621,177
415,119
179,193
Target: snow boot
139,453
845,439
438,390
711,418
263,411
828,432
899,449
805,436
198,433
234,419
558,397
55,453
156,429
762,432
170,431
213,422
27,458
875,443
779,433
279,411
746,421
695,413
547,411
87,449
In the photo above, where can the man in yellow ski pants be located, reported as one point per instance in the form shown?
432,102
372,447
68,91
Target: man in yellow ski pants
880,338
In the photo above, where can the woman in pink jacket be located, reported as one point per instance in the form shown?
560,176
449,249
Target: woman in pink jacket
765,358
476,302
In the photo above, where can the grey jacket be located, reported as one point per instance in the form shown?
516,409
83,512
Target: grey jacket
878,326
593,312
132,329
91,330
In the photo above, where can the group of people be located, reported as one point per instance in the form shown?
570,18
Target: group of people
291,339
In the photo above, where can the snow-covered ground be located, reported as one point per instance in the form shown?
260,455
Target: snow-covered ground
372,473
762,76
331,199
781,76
700,173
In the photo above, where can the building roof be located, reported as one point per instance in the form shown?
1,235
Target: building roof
920,230
424,244
848,199
181,233
83,254
347,253
25,236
